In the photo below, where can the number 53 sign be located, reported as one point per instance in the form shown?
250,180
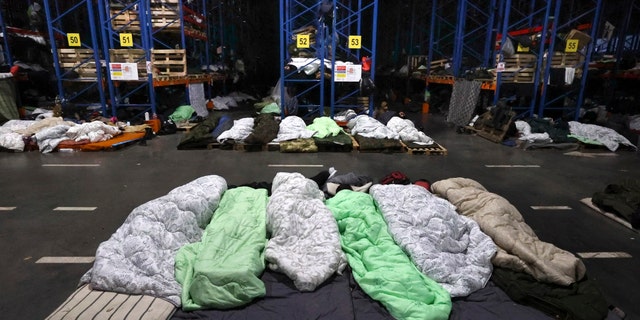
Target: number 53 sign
355,42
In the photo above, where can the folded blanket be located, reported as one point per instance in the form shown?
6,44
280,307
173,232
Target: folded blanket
293,127
139,256
408,131
380,266
371,128
606,136
222,271
240,130
447,247
305,242
519,248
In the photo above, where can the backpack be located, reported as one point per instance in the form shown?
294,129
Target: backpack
168,127
395,177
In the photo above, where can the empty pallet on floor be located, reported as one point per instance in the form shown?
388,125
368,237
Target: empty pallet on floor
434,149
85,303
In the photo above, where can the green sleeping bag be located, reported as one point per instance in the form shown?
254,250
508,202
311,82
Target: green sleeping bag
380,266
222,271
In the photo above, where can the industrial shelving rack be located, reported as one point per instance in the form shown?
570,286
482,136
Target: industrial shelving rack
76,57
474,35
620,41
442,32
155,35
335,22
549,19
526,19
567,18
462,36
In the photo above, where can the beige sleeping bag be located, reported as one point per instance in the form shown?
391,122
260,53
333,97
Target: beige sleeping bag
519,248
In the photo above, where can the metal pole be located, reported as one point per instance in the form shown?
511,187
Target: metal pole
585,64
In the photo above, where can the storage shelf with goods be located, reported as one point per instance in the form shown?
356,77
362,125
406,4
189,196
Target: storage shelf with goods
559,36
149,45
327,56
74,41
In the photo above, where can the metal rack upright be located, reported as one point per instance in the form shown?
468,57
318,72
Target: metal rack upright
334,22
167,28
6,49
566,20
78,63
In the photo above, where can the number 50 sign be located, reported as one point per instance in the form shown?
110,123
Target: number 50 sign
74,39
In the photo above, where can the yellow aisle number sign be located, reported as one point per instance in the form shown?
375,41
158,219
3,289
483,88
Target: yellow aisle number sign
74,39
522,48
302,41
126,40
572,45
355,42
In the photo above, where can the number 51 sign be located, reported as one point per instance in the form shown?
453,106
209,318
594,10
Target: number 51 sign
126,40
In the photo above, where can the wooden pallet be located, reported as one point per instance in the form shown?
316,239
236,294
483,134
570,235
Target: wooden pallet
185,126
130,56
335,147
272,146
492,134
164,15
566,59
516,75
171,62
165,62
520,60
432,150
519,68
79,60
239,146
86,303
394,149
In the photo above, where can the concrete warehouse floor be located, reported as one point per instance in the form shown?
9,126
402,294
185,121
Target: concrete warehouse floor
33,184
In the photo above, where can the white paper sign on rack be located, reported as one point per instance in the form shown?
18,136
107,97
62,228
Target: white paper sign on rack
347,72
123,71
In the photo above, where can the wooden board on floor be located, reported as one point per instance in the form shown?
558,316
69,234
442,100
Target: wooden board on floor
85,303
239,146
612,216
483,128
185,126
434,149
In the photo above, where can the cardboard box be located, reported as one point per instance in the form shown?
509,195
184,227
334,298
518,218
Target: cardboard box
584,39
